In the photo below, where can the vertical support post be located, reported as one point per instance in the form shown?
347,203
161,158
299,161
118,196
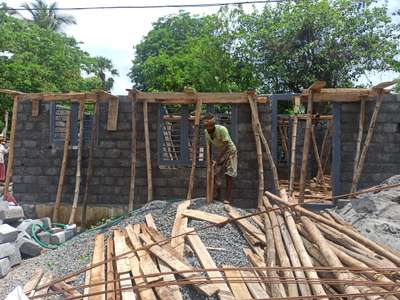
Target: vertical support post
89,173
274,128
306,147
358,147
63,170
324,148
148,154
10,163
194,147
210,175
78,164
293,148
336,149
5,125
317,157
133,153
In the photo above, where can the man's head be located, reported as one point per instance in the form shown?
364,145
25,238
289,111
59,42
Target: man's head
209,121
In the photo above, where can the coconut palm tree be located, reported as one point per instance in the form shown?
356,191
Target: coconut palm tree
46,16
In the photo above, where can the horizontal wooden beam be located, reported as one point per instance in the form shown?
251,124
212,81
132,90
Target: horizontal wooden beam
385,84
339,95
190,98
10,92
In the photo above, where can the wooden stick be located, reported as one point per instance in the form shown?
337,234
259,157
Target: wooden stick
111,286
195,142
358,147
306,147
78,164
89,171
60,187
283,139
148,155
97,275
133,153
317,157
324,146
5,129
10,162
368,138
293,150
210,175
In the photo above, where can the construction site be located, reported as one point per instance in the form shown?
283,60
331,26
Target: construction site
114,197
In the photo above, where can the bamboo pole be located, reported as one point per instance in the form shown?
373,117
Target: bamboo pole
133,153
194,148
358,147
60,187
293,155
210,175
78,164
89,171
280,249
368,138
317,157
329,255
5,125
306,147
258,128
324,148
148,155
10,162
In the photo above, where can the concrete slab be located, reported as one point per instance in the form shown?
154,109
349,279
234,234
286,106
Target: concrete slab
12,214
7,233
58,238
28,248
5,266
15,258
44,237
7,249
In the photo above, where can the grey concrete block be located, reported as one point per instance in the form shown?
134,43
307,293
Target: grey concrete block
27,225
12,214
55,230
44,237
7,233
7,249
28,248
46,223
15,258
58,238
5,266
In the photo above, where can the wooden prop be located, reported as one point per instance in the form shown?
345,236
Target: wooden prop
97,274
112,120
358,147
35,108
210,174
148,155
239,289
111,285
324,148
293,148
204,216
368,138
60,187
5,129
317,157
33,282
78,164
180,227
89,174
194,148
133,153
284,141
10,162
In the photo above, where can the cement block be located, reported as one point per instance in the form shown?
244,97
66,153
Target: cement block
28,248
27,224
12,214
15,258
5,266
44,237
7,249
7,233
58,238
69,234
46,223
56,229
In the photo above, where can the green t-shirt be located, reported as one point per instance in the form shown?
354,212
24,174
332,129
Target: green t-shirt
220,136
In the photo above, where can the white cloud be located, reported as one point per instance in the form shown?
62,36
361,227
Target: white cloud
113,33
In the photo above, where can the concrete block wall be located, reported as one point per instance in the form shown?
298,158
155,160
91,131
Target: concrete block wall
383,157
37,161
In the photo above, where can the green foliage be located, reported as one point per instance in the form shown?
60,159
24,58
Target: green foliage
102,67
283,48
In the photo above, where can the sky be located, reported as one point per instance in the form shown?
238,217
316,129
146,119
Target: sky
113,33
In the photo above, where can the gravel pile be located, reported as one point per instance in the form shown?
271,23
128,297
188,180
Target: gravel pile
377,215
75,254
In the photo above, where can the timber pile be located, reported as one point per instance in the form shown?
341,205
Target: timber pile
292,252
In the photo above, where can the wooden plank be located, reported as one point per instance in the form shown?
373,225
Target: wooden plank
11,92
208,263
87,282
292,175
33,282
255,288
66,289
176,264
97,274
63,170
45,280
123,266
133,154
210,177
58,96
239,289
148,152
179,227
204,216
150,221
35,108
112,118
110,285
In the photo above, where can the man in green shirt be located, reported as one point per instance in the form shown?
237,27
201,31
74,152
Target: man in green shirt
226,157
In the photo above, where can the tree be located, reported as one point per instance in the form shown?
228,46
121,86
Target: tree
184,50
46,16
101,67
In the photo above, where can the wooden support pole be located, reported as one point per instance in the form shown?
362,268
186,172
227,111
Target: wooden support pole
368,138
194,148
210,175
63,170
148,154
306,148
78,164
358,147
324,148
317,157
5,129
89,173
292,175
133,153
10,163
